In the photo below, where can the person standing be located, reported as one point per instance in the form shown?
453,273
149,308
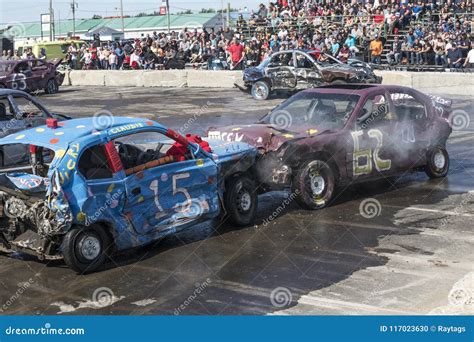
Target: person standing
469,63
113,61
376,50
236,51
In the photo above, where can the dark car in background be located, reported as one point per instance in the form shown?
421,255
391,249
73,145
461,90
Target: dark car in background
331,136
294,70
20,111
31,75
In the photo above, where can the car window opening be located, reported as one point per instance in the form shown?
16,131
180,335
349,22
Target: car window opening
26,158
93,163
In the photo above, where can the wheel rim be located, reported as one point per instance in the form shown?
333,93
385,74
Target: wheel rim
439,160
245,201
260,91
317,183
51,87
89,247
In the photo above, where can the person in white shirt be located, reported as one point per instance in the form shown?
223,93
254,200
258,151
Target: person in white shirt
469,63
135,60
113,61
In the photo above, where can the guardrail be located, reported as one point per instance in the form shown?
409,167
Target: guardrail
434,82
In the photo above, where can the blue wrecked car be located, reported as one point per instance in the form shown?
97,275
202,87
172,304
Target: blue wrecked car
84,191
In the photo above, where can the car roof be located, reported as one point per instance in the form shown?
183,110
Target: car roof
357,88
71,131
6,92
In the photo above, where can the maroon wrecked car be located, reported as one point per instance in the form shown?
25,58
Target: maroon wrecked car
330,136
31,75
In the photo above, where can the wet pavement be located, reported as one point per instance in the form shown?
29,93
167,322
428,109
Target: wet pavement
414,256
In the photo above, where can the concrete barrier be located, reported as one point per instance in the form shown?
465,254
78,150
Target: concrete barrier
213,79
434,82
125,78
447,83
87,78
163,78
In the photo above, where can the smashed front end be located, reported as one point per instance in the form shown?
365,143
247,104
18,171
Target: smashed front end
350,74
34,214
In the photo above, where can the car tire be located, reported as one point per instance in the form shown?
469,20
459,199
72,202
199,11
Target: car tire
84,248
241,200
260,90
437,162
314,184
1,159
336,82
52,87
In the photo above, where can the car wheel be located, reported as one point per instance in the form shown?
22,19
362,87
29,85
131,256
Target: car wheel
84,248
336,82
241,200
260,90
437,165
314,184
51,87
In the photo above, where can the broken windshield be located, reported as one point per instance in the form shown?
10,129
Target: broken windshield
312,109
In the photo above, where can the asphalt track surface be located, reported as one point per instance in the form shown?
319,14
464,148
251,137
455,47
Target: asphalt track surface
415,256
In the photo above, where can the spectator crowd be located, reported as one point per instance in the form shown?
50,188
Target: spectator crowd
421,32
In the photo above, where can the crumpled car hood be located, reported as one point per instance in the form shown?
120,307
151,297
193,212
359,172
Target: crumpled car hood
24,182
228,150
260,135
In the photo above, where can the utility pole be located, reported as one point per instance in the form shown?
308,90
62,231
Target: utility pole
222,14
228,14
51,21
168,15
73,8
121,15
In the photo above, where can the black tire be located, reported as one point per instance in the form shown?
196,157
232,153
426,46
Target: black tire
311,192
52,87
437,162
78,248
1,159
241,200
260,90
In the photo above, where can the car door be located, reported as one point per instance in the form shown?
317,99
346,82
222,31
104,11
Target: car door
412,130
372,154
20,77
281,70
307,73
172,193
40,71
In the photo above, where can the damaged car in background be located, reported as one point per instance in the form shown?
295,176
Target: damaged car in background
294,70
84,192
31,75
20,111
328,137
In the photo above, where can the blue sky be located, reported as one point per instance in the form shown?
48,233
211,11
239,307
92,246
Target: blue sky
30,10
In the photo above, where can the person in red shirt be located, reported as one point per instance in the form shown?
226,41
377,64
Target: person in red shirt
236,51
379,17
